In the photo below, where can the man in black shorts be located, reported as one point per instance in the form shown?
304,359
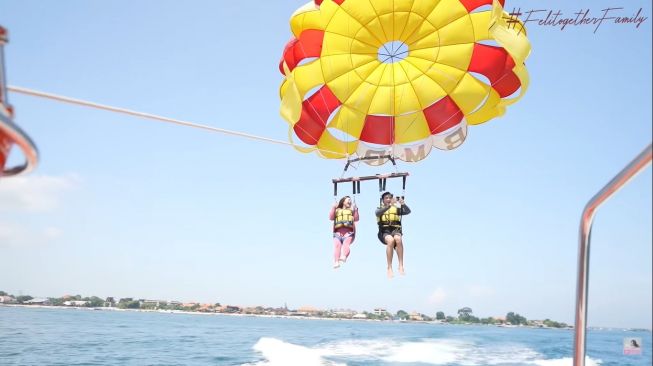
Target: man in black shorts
388,216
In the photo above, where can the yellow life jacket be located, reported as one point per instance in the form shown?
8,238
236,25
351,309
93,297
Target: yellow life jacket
344,218
390,218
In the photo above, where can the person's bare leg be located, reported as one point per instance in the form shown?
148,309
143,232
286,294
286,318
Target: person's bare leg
337,246
345,249
399,247
390,245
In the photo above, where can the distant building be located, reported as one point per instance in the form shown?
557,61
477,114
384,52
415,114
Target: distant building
220,309
415,316
380,311
538,323
156,303
232,309
206,308
38,302
276,311
344,313
359,316
308,310
75,303
7,300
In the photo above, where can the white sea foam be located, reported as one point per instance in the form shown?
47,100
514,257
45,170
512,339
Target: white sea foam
426,351
280,353
430,351
365,349
568,361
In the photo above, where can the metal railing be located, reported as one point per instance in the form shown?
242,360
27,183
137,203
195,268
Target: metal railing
580,329
19,138
10,133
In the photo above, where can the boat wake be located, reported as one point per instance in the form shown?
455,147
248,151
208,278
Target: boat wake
276,352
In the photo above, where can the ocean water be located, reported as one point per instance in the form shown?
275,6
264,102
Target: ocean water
52,336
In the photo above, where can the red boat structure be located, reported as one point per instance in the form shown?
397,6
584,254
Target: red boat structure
11,135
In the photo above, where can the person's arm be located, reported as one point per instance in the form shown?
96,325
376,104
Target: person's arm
355,214
332,213
381,210
405,210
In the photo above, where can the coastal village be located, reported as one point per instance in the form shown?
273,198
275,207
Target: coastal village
464,315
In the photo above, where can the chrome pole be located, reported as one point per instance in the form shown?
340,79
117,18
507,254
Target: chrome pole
582,280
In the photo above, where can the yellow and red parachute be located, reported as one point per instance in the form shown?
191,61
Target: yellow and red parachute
398,77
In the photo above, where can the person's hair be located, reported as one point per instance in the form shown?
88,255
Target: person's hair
634,343
342,201
383,196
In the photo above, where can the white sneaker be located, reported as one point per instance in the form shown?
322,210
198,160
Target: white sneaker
343,260
336,264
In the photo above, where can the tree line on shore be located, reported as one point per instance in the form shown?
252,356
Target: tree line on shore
511,318
464,315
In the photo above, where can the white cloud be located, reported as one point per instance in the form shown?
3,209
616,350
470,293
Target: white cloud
438,296
34,193
52,232
480,291
13,234
7,233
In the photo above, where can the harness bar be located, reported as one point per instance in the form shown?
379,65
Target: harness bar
356,181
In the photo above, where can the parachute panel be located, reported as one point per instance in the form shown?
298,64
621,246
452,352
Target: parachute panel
399,77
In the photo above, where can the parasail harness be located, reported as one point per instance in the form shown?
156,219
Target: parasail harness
381,178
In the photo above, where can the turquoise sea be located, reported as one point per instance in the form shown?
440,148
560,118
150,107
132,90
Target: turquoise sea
55,336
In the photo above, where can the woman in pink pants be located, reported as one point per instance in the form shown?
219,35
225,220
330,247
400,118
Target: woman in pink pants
344,215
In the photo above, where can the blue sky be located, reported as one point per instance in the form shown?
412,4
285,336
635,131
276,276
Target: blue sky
133,208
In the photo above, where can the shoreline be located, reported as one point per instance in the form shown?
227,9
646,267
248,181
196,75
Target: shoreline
301,317
204,313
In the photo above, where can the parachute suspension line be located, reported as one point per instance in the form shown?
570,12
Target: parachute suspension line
155,117
356,189
393,98
392,111
346,132
394,87
383,179
403,194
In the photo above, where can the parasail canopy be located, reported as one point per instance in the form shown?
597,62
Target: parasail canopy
394,78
